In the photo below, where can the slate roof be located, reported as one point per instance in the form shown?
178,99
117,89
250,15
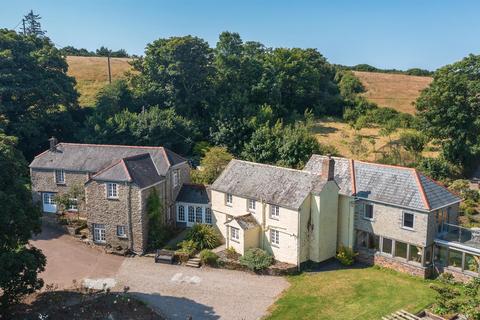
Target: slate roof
95,157
247,221
400,186
194,193
138,169
276,185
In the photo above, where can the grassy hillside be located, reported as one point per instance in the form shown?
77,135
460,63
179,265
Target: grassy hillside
397,91
91,74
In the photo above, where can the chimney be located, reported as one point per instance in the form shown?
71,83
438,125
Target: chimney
53,144
328,168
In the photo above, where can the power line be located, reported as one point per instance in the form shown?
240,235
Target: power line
19,22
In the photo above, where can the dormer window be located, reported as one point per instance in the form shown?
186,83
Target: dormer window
60,176
112,190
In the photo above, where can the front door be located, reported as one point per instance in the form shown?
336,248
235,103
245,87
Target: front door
49,204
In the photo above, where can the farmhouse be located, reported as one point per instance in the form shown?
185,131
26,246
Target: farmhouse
393,216
117,180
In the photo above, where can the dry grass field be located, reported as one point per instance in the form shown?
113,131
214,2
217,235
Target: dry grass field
396,91
335,132
91,74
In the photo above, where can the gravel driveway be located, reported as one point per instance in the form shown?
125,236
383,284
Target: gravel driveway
178,292
174,291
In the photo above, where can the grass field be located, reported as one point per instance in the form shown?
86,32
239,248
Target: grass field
397,91
368,293
91,74
337,133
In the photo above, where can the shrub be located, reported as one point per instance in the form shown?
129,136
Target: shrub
188,247
346,256
208,257
256,259
231,253
205,236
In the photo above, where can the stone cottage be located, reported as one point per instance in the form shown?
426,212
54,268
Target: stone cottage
117,181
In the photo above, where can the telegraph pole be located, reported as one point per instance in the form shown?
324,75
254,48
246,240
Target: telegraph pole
24,30
109,70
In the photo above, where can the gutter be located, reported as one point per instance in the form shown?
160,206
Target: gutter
129,213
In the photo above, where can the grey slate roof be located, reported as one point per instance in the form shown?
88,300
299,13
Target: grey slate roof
95,157
247,221
400,186
194,193
276,185
137,169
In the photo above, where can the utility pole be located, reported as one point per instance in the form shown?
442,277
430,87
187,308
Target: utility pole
109,70
24,30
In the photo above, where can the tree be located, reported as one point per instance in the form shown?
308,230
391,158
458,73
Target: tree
37,97
176,73
348,84
211,165
413,142
264,144
19,219
449,110
32,26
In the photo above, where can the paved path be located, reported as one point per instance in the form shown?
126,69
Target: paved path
178,292
68,259
175,291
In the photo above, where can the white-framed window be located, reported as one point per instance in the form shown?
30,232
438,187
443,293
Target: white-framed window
251,204
121,231
274,237
73,204
368,211
208,215
408,220
274,212
181,213
191,214
60,176
176,177
99,234
112,190
198,215
49,198
234,233
228,199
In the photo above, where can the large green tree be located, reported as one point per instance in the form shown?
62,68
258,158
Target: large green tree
37,97
19,219
176,73
450,110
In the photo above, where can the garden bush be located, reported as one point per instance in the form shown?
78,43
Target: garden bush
256,259
188,247
346,256
205,236
208,257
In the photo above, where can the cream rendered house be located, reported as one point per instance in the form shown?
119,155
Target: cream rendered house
289,213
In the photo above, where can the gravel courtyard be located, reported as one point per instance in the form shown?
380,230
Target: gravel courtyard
174,291
178,292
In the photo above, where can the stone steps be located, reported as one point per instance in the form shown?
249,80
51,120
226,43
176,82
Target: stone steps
193,262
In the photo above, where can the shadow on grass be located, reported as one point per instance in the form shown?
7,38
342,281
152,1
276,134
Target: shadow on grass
331,265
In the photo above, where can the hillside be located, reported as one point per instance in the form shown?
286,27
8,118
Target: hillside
91,74
397,91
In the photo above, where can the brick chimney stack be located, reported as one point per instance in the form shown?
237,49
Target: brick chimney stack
53,144
328,168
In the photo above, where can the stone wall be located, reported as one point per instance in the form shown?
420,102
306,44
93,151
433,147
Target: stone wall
370,258
43,180
387,222
115,212
172,192
456,272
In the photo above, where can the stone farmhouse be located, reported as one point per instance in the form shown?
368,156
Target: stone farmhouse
117,181
392,216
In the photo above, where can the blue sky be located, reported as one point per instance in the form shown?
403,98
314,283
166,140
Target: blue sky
387,34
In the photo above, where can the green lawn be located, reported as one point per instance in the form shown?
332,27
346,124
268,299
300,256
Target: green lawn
351,294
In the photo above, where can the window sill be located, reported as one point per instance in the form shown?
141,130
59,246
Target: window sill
369,219
408,229
99,242
275,245
112,198
274,218
61,183
228,205
122,237
235,240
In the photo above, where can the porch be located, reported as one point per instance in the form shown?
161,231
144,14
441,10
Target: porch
457,250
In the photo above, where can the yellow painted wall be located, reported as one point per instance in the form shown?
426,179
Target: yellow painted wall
327,228
346,216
